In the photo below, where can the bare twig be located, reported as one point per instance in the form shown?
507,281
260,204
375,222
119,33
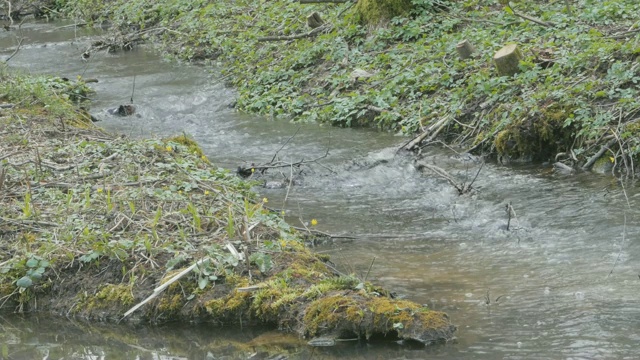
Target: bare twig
279,164
368,271
477,173
133,88
530,18
285,144
623,35
597,155
511,214
9,11
15,52
624,232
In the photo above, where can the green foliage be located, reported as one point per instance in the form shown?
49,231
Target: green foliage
27,271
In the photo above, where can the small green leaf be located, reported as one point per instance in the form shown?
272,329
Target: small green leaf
24,282
33,262
203,282
35,275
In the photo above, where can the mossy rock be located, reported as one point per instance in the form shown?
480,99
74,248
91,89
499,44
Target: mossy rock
343,315
536,138
603,165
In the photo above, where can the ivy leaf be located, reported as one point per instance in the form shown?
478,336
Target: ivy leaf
24,282
203,282
33,262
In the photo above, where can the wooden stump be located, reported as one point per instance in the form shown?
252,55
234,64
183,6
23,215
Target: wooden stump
507,60
314,20
465,49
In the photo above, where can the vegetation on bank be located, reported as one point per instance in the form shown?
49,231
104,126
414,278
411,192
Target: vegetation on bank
92,224
576,94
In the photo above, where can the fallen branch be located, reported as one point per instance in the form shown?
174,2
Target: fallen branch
623,34
440,172
530,18
9,11
432,130
246,172
162,287
597,155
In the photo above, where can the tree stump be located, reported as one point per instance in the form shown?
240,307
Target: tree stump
507,60
465,49
314,20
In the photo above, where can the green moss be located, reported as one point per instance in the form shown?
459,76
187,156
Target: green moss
540,136
389,311
116,293
329,311
377,11
228,305
108,296
268,300
170,303
191,145
501,142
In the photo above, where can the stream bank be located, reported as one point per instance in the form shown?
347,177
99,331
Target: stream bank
102,227
573,101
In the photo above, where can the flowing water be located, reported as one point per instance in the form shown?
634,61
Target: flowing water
561,283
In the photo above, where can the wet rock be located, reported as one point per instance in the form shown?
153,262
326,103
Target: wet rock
322,341
123,110
275,185
563,168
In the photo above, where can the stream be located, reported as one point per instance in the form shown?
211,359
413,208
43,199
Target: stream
561,283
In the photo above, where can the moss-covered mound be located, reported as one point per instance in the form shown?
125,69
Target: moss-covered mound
92,224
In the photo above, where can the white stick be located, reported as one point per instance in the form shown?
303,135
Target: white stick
162,287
